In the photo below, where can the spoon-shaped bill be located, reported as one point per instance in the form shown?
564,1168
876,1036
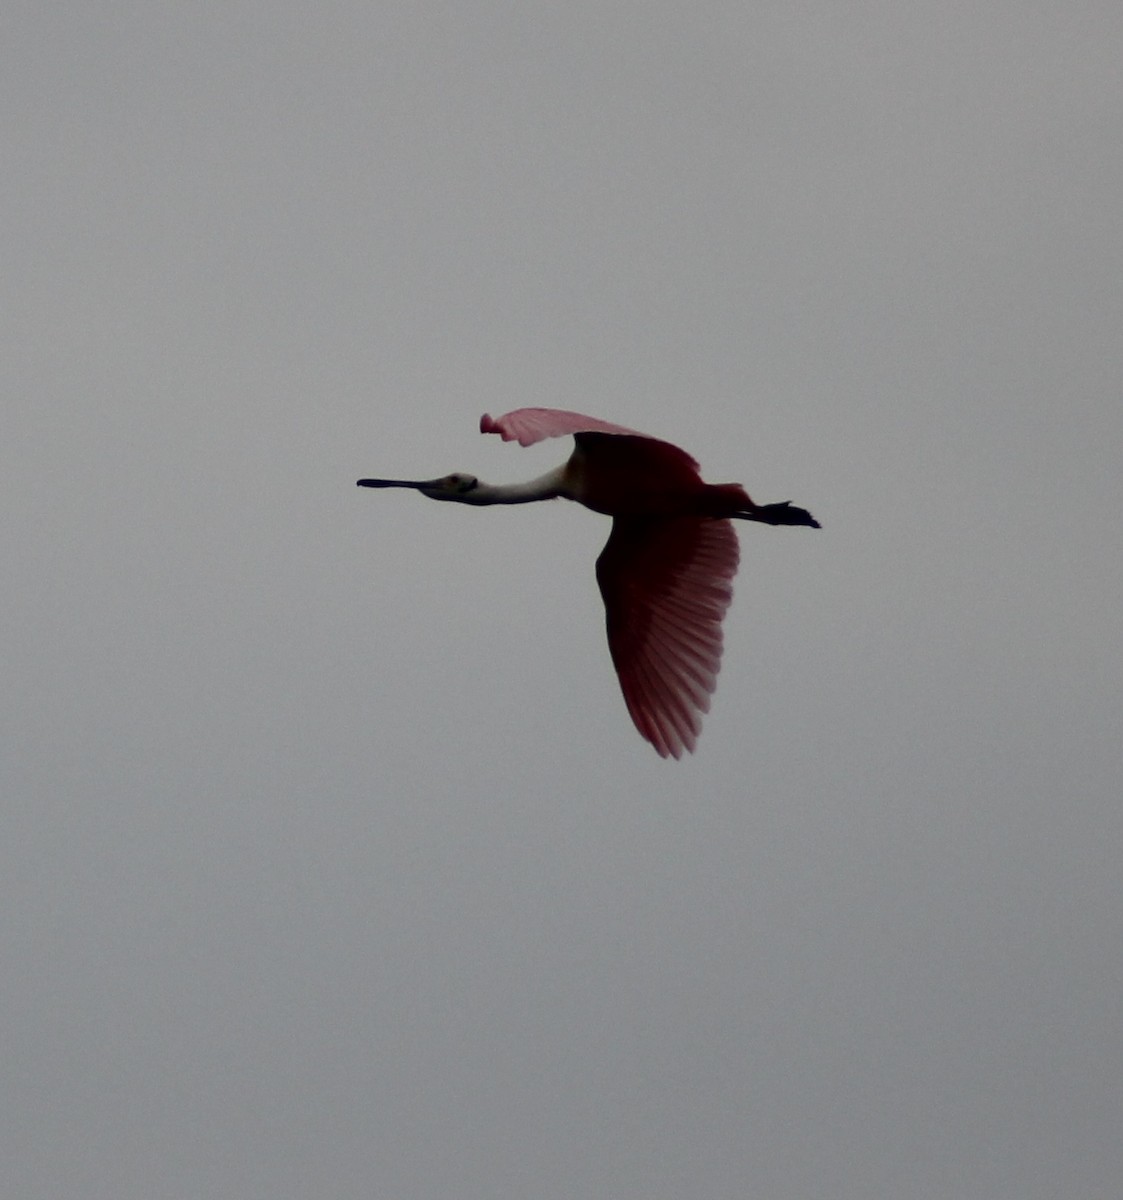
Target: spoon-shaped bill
385,483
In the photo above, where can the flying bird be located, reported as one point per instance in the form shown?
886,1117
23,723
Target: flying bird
666,572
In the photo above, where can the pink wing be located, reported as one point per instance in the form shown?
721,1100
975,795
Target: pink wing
529,425
666,585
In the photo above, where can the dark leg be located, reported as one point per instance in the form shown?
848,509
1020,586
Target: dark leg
784,513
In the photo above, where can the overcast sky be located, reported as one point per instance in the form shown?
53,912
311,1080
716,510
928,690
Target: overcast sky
331,864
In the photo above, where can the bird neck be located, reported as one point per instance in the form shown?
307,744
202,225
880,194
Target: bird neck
545,487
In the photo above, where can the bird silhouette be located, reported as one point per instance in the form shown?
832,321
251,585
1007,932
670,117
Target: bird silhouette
666,572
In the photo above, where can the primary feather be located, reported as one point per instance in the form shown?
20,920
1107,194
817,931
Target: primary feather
666,584
529,425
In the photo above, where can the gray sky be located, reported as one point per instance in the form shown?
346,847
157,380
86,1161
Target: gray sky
331,864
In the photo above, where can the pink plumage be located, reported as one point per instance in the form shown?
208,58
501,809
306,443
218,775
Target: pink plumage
666,583
666,572
666,578
529,425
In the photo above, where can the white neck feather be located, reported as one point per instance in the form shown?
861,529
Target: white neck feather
545,487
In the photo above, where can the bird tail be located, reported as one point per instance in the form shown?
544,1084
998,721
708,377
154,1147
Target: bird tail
731,500
784,513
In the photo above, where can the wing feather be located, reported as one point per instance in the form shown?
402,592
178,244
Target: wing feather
529,425
666,584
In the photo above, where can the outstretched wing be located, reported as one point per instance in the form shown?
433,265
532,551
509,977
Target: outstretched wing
614,459
529,425
666,585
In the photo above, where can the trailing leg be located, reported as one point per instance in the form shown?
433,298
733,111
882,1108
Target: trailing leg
784,513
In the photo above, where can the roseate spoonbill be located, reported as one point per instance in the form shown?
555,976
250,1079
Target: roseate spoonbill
666,572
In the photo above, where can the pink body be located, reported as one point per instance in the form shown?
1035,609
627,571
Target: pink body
666,573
